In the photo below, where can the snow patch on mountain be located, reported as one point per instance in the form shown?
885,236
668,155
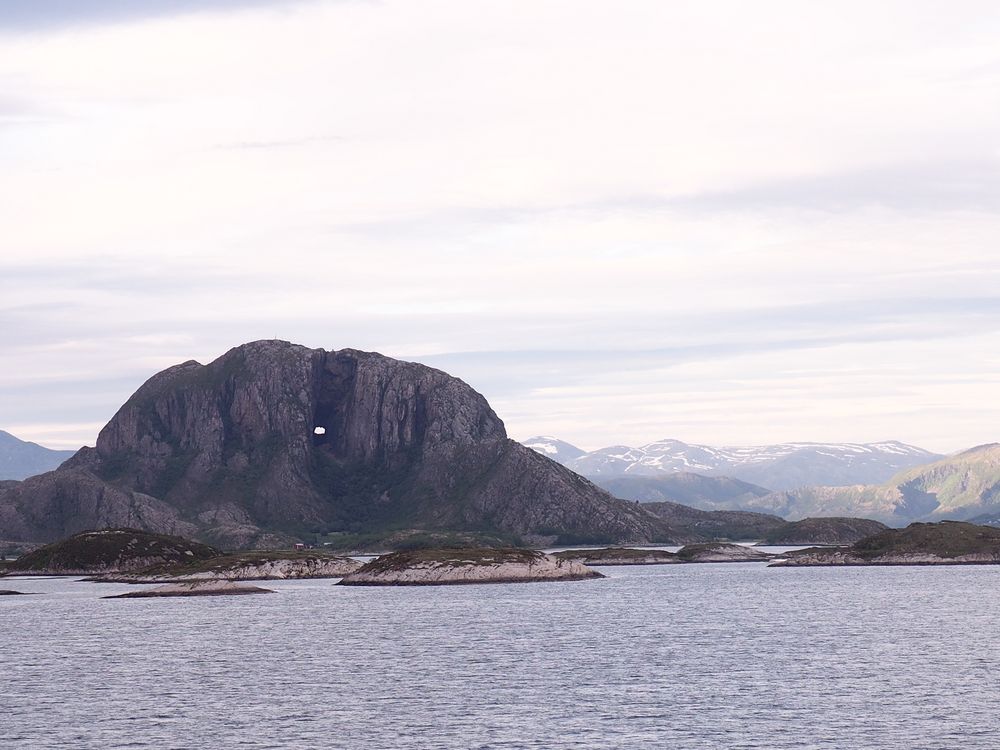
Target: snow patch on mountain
781,466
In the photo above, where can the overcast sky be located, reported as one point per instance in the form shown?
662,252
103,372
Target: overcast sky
722,222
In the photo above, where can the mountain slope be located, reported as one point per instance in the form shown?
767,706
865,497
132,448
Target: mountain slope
958,487
20,459
274,441
784,466
829,530
558,450
695,490
695,525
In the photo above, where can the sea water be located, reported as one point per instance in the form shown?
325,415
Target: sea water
732,655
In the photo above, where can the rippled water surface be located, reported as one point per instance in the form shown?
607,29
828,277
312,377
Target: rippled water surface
699,656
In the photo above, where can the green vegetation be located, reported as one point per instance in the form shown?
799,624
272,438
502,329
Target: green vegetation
824,531
947,539
111,549
409,539
569,539
961,486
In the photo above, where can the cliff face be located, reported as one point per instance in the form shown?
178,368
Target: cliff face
274,440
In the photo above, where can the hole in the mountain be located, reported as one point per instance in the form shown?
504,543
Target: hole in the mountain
319,431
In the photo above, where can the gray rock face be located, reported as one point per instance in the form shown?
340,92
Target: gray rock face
273,440
62,503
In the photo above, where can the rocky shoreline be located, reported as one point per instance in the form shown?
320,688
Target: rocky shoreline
249,566
838,557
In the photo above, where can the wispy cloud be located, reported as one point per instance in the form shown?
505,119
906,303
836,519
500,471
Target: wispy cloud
49,14
281,143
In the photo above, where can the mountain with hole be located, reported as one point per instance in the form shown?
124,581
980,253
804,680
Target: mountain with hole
273,443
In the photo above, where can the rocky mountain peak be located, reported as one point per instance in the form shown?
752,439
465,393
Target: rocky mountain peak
279,438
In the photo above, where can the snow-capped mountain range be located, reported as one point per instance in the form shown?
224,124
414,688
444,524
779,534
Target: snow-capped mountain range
779,467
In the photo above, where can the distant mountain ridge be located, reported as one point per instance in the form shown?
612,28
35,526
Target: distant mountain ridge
558,450
961,487
20,459
783,466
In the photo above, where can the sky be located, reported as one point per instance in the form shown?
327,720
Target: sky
721,222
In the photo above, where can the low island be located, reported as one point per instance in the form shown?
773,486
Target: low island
134,556
701,552
619,556
109,551
244,566
464,566
706,552
194,588
943,543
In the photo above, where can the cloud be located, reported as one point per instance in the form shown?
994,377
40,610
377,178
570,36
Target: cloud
630,221
286,143
972,185
16,16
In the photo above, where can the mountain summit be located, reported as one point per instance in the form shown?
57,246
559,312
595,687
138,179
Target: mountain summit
274,441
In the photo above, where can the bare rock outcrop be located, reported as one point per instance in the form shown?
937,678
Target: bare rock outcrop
457,566
245,566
